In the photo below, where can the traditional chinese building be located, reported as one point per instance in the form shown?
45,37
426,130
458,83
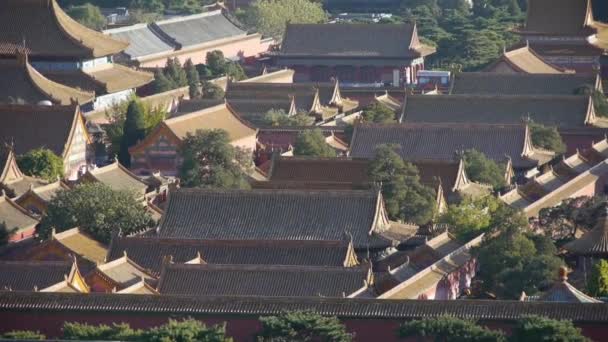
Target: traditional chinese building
560,31
356,54
36,199
158,151
118,178
591,247
58,128
67,52
14,216
12,181
561,292
117,275
47,276
524,60
281,140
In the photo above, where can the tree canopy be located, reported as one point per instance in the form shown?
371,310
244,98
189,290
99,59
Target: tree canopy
171,77
193,79
88,15
481,169
134,130
278,117
97,210
270,17
218,65
471,217
42,163
23,335
378,113
312,143
210,161
5,233
303,326
535,328
405,197
598,281
547,138
450,329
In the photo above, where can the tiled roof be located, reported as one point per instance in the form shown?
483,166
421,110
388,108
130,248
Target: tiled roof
569,111
21,83
282,138
252,110
339,170
27,275
30,127
118,178
520,83
123,271
562,291
217,117
48,32
353,40
150,252
274,215
267,281
441,142
565,50
493,310
593,242
279,76
142,40
559,17
82,245
525,60
47,192
15,216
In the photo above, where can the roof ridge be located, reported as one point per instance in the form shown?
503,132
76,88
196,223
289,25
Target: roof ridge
344,193
189,17
269,268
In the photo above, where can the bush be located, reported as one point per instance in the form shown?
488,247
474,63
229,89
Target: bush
312,143
534,328
448,328
483,170
547,138
41,163
598,282
378,113
303,326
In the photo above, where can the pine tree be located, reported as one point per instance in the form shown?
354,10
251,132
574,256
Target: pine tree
161,82
134,130
193,79
174,72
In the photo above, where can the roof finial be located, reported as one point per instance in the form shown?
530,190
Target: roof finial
563,274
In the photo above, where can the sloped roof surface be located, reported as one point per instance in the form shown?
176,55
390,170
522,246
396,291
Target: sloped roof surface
321,170
142,40
15,216
557,17
526,60
520,84
109,78
254,280
350,40
270,215
119,178
594,242
24,275
149,252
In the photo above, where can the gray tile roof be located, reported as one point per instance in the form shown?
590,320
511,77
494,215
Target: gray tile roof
593,242
198,29
441,142
142,40
487,83
558,17
25,275
272,215
561,111
255,280
149,252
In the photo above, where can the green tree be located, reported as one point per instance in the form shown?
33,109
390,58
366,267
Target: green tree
5,233
303,326
471,217
88,15
210,161
193,79
534,328
598,282
378,113
23,335
270,17
405,197
278,117
216,62
42,163
87,332
175,73
312,143
547,138
572,215
212,91
161,82
96,209
449,329
134,130
188,330
481,169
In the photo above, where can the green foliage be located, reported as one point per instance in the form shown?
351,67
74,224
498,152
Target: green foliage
450,329
172,76
471,217
5,233
378,113
513,260
212,91
88,15
312,143
209,161
270,17
161,82
483,170
278,117
217,66
534,328
405,197
193,79
42,163
547,138
134,130
303,326
86,332
184,6
23,335
563,221
598,282
96,209
600,103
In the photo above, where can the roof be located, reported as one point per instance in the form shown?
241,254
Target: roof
197,29
274,215
330,170
559,17
123,271
278,76
483,83
54,35
441,142
593,242
108,78
252,110
499,310
569,111
282,138
21,83
217,117
527,61
562,291
150,252
142,39
118,177
81,244
15,216
30,127
28,275
266,280
48,191
353,40
12,180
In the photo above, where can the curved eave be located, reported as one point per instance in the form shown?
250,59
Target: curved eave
118,78
58,92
